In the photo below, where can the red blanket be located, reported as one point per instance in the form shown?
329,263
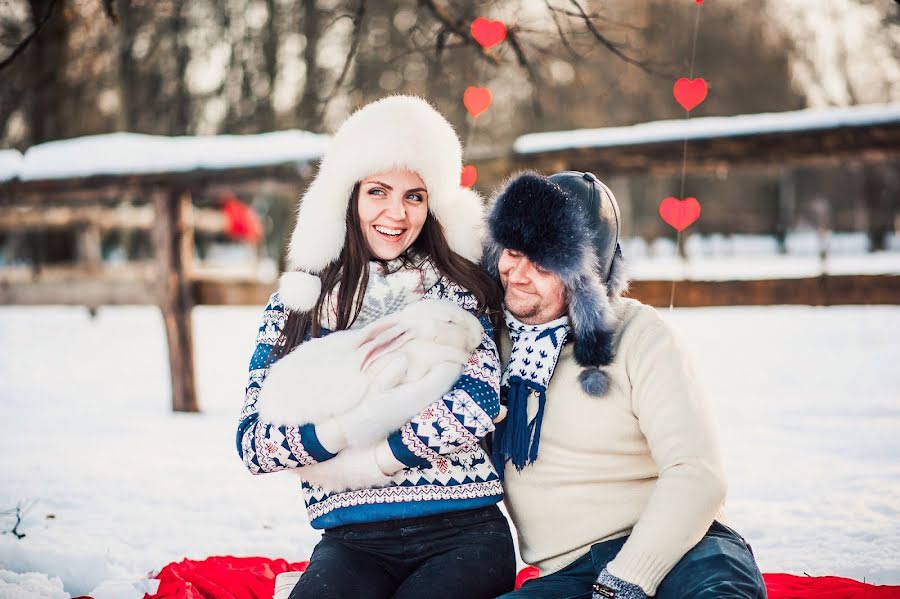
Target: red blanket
825,587
254,578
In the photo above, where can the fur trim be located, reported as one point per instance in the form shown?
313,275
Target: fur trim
462,220
395,132
618,275
534,216
594,381
558,230
299,290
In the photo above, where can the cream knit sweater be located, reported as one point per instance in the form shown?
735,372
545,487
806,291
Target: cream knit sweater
642,460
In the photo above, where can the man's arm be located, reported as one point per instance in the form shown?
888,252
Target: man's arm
676,419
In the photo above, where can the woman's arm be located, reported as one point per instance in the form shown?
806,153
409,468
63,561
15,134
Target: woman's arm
463,415
461,418
263,446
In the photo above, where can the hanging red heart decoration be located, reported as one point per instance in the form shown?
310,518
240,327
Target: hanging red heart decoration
468,176
679,214
690,92
477,100
488,33
241,222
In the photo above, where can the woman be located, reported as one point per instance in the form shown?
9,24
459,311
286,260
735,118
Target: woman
412,512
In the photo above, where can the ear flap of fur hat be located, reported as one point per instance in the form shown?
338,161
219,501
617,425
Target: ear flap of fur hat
397,132
563,223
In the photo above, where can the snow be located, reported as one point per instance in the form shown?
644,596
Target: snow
710,127
10,162
116,486
750,257
135,153
30,585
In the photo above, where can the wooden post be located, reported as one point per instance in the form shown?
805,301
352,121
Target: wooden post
786,206
89,250
174,239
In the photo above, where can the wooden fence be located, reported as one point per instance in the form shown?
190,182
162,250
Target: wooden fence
88,205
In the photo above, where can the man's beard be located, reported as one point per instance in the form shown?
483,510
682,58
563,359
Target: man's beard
522,307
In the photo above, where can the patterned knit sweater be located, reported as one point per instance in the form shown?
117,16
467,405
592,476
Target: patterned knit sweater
445,467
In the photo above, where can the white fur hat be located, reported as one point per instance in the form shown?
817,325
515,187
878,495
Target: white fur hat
402,132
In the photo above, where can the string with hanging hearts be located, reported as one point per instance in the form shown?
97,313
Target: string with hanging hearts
488,34
689,93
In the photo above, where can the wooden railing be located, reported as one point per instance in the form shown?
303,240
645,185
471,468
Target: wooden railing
172,282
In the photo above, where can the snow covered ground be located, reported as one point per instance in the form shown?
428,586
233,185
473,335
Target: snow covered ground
116,486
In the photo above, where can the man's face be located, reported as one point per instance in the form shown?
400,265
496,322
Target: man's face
533,295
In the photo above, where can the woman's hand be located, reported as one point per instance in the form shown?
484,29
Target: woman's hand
350,469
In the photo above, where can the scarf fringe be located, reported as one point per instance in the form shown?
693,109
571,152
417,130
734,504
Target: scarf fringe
516,439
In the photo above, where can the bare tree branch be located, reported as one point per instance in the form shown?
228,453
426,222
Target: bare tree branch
589,23
533,75
596,15
456,27
354,45
109,7
562,35
24,43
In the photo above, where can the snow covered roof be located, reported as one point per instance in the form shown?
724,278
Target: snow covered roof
709,127
134,153
10,161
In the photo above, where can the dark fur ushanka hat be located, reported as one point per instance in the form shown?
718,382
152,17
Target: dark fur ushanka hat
567,223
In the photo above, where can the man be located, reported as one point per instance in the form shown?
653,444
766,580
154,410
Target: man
611,465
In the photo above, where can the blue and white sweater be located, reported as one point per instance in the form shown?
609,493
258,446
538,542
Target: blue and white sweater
446,468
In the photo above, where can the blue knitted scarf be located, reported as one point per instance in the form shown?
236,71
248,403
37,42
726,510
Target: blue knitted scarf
535,352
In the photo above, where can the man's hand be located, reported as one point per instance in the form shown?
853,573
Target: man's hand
608,586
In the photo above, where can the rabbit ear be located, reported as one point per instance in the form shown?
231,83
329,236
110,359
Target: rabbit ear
382,340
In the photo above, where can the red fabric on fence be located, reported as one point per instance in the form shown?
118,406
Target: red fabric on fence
254,578
788,586
223,577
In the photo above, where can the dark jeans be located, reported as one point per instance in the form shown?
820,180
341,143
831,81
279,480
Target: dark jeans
720,566
467,554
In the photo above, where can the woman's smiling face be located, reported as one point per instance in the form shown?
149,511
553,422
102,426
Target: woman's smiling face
393,206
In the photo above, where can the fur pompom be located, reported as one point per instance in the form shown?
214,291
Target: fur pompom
299,290
594,381
461,215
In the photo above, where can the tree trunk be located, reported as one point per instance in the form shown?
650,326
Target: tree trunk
308,116
181,124
43,75
270,43
128,75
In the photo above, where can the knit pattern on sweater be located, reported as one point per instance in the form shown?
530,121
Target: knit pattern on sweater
446,467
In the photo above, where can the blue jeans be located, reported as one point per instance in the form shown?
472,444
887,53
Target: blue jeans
720,566
467,554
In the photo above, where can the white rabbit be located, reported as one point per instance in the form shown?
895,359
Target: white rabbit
328,376
443,332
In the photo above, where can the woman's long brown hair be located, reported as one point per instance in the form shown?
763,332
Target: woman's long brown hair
351,271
